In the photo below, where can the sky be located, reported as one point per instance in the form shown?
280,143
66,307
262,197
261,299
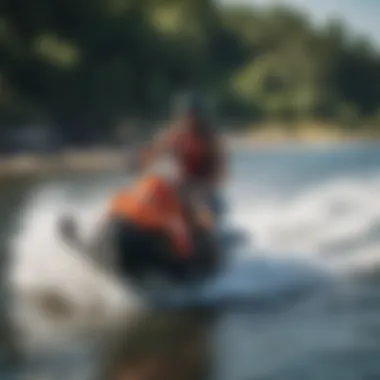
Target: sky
363,16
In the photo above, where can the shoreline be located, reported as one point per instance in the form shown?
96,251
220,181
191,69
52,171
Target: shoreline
23,165
75,161
307,134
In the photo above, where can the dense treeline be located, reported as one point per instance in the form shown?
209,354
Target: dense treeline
84,66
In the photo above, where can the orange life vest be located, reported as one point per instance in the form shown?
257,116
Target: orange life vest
154,205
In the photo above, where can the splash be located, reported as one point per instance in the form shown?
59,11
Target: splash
336,224
57,290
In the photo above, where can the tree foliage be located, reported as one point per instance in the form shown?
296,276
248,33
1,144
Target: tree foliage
84,65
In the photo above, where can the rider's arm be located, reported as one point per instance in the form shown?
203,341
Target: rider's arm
204,215
161,143
220,170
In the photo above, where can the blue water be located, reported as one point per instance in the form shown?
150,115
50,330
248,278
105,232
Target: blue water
302,207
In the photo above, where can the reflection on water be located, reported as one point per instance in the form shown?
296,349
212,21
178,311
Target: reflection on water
163,346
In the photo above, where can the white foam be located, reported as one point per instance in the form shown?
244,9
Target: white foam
316,222
44,265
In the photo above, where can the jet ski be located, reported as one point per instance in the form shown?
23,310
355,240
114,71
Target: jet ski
98,248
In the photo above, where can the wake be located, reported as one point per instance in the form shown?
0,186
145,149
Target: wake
295,243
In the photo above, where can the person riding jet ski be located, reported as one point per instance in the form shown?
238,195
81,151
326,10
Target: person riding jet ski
197,147
152,228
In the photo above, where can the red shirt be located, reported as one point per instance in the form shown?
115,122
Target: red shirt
197,154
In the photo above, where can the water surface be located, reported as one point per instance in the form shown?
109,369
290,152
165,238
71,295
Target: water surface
320,205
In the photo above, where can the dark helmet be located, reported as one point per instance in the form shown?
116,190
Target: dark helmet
190,104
